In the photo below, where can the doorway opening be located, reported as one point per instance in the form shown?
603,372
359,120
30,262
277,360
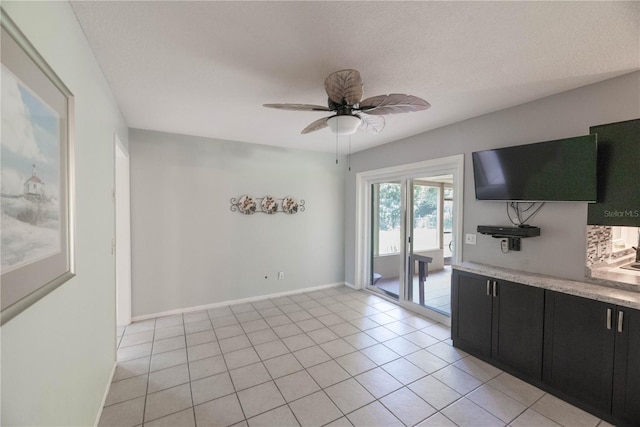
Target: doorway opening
409,223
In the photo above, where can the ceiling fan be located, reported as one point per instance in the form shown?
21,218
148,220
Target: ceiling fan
353,113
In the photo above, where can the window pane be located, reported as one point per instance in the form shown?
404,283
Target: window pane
425,217
389,218
448,216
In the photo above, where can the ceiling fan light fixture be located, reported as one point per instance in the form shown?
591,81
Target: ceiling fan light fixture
344,124
352,113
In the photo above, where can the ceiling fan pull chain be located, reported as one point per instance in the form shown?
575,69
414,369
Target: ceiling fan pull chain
336,148
349,157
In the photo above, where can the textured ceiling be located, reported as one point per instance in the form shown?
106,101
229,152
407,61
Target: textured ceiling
205,68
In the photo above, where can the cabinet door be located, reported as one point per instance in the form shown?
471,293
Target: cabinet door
578,348
471,313
626,369
518,316
618,159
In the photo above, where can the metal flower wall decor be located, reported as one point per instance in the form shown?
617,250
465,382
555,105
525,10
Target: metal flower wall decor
269,205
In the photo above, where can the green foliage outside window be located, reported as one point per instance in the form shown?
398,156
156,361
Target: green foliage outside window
425,202
389,209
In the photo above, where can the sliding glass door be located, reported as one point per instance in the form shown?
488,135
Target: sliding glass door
411,239
386,238
428,276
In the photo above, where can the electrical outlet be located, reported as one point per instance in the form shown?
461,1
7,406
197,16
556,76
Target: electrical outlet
280,275
470,239
504,245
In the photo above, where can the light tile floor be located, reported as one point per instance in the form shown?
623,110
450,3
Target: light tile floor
335,357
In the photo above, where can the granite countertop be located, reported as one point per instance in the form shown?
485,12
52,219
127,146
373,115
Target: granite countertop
618,276
611,274
592,290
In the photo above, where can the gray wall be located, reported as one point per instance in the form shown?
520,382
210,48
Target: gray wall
189,249
57,355
561,249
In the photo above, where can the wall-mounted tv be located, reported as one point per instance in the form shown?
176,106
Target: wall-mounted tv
563,170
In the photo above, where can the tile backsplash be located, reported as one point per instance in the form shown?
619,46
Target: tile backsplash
600,245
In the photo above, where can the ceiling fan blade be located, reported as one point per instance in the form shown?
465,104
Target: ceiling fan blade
297,107
344,86
317,125
392,104
371,124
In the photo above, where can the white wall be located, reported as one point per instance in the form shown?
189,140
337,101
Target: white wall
123,236
561,248
58,354
189,249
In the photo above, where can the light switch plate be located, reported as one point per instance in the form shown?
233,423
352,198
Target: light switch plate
470,239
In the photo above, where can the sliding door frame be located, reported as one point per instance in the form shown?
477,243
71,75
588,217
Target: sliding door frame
371,225
447,165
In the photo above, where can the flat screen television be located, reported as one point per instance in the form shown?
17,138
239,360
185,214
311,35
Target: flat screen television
563,170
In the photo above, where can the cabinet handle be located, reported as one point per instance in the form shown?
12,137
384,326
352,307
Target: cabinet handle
495,289
608,318
488,287
620,319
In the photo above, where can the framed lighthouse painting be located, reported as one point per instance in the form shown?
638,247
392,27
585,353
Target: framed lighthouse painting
36,175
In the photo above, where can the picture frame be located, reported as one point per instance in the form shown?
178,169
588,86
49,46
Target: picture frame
37,197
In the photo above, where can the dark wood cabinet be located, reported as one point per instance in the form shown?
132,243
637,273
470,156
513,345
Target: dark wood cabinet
578,348
582,350
618,158
499,320
471,306
626,367
592,354
518,317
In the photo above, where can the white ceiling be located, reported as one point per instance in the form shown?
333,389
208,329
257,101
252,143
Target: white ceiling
205,68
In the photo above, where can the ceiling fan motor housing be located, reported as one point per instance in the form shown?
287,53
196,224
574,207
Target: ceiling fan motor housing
344,124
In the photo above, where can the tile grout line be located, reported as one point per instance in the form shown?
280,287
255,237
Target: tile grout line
290,352
318,296
279,339
379,366
543,415
235,392
271,376
353,377
157,391
144,408
305,369
186,350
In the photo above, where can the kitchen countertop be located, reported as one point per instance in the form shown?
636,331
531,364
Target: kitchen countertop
619,276
611,274
591,289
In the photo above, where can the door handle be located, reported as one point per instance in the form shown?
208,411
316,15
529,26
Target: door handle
488,287
608,318
494,293
620,319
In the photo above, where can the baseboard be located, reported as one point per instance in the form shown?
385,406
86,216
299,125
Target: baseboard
237,301
106,393
351,285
